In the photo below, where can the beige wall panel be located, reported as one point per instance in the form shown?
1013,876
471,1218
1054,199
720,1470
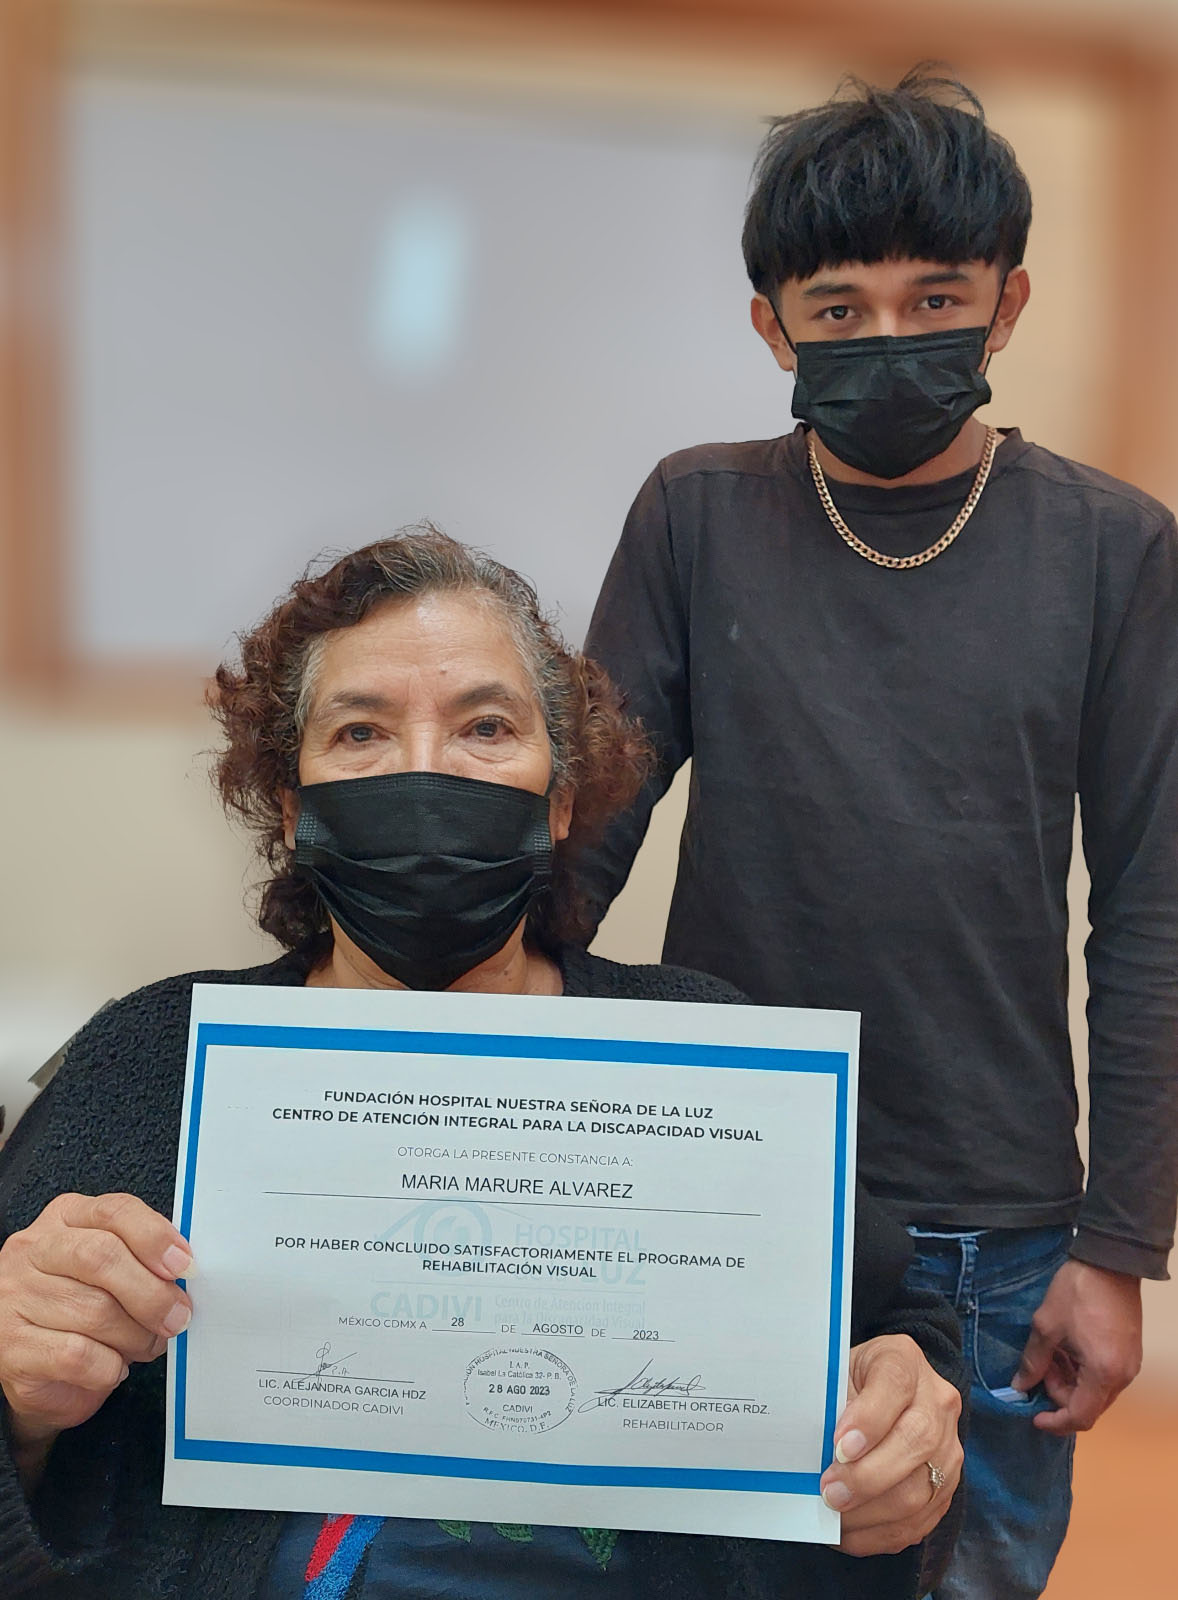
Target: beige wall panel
1049,380
119,868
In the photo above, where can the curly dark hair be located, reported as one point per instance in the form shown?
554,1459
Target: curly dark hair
599,754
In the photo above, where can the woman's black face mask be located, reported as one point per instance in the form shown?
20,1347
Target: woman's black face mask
428,874
886,405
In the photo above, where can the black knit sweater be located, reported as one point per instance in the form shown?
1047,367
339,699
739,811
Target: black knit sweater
96,1530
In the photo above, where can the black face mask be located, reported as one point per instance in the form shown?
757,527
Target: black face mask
888,405
428,874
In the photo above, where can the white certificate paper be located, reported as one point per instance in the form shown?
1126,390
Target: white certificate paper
508,1259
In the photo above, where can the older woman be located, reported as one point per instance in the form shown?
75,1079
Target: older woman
420,756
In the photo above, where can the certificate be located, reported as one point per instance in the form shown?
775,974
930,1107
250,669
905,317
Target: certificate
515,1259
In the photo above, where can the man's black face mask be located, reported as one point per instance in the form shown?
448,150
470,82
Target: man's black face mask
428,874
886,405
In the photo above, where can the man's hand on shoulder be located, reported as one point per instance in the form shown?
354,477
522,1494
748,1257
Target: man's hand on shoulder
1085,1344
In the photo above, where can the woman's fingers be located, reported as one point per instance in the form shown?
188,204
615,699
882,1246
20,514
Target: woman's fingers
905,1512
45,1356
884,1374
149,1237
55,1380
925,1431
902,1517
64,1305
902,1417
93,1252
85,1290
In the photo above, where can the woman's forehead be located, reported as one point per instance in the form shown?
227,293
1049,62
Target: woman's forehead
448,642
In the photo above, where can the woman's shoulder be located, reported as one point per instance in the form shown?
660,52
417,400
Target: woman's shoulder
107,1119
165,1003
594,977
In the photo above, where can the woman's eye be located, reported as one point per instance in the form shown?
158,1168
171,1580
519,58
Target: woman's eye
357,733
489,727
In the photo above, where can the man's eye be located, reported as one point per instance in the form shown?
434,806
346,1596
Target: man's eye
357,733
837,313
938,302
489,727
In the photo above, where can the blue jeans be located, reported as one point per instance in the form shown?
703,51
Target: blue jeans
1018,1480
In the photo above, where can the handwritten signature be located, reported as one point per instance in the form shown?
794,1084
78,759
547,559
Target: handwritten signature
642,1383
329,1366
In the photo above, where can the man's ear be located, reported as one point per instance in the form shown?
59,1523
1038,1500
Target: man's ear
769,328
1015,294
290,816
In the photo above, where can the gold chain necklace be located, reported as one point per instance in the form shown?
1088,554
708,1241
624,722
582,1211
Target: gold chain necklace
904,563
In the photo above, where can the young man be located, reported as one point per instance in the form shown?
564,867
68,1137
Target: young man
896,644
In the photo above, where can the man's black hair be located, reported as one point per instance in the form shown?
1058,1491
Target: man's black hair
881,175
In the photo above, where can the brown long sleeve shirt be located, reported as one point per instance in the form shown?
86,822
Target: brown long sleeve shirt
884,773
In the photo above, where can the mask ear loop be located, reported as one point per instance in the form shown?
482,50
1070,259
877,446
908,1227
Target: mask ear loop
993,319
781,325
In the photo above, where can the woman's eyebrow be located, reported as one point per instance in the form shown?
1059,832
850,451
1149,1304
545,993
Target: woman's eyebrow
349,700
496,692
369,700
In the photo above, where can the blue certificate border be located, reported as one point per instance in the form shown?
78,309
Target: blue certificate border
392,1041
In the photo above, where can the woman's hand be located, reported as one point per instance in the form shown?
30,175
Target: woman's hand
901,1416
84,1291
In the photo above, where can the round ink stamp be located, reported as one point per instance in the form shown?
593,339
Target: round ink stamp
518,1390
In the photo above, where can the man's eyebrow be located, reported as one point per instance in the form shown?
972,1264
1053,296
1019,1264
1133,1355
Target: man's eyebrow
942,275
818,291
827,288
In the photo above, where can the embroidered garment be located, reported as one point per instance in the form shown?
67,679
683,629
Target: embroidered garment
373,1558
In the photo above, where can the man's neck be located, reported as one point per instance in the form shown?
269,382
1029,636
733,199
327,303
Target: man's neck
962,455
